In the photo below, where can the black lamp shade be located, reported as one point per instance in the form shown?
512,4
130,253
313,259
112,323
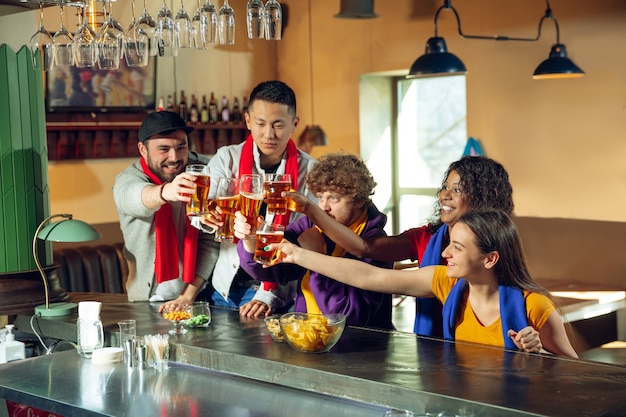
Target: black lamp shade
558,65
437,61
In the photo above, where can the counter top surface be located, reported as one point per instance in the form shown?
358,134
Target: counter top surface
384,369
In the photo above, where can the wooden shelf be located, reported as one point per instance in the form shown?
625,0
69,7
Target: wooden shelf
100,136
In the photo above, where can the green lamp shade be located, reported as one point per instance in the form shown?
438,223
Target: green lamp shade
69,230
437,61
558,65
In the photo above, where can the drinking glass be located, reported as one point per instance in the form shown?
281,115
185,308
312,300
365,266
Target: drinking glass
226,23
254,19
204,22
251,197
266,234
110,42
148,25
63,42
199,204
166,33
41,46
273,186
85,47
273,17
183,28
227,198
136,43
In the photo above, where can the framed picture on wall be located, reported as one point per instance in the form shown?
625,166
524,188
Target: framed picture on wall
75,89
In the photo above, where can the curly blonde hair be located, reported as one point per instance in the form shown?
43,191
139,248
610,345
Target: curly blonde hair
344,174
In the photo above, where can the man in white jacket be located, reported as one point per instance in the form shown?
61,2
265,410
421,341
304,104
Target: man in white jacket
271,119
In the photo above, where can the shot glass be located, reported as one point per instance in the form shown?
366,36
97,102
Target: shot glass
266,234
273,186
199,204
227,199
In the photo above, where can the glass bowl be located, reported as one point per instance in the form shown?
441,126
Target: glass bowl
273,327
177,315
316,333
200,315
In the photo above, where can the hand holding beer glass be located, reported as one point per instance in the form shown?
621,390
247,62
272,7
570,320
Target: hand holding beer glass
266,234
227,199
273,187
199,203
250,196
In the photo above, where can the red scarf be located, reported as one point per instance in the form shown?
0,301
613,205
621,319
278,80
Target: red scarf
246,162
166,259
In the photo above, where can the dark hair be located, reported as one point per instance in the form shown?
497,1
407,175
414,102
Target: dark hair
495,231
484,185
274,92
344,174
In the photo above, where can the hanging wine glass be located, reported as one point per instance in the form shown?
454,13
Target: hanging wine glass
85,47
226,23
109,40
166,32
136,43
254,19
183,27
63,44
204,22
148,25
273,16
41,46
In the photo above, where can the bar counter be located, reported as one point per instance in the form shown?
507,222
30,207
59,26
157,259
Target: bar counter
366,373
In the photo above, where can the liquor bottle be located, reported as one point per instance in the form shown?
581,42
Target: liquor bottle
244,105
225,111
183,111
175,110
204,110
170,103
160,105
235,114
193,110
213,109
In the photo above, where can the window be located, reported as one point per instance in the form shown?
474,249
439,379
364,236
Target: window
411,130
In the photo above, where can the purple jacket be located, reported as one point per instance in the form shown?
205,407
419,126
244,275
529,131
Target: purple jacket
362,308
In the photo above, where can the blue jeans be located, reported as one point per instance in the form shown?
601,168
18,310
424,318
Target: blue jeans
238,296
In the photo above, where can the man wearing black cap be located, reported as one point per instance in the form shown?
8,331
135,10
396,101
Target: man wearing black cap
168,258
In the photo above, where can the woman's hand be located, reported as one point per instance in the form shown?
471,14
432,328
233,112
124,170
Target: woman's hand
255,309
526,340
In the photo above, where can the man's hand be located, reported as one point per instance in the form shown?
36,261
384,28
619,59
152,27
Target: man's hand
179,303
254,309
180,189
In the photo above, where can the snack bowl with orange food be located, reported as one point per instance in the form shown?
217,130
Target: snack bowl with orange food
312,333
273,327
177,314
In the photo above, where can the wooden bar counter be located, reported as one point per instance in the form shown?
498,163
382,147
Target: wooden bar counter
366,373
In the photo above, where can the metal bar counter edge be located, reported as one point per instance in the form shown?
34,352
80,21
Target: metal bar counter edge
366,373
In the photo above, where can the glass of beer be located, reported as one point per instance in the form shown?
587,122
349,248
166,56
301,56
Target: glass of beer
266,234
273,186
250,196
199,204
227,198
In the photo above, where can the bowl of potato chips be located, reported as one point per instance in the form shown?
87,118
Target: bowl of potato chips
315,333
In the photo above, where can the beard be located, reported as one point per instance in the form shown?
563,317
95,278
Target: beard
166,171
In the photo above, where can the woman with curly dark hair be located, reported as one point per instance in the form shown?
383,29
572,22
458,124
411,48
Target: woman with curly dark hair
471,183
342,185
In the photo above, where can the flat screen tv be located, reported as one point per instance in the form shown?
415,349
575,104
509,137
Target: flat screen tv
126,89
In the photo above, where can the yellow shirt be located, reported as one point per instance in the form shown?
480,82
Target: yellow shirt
469,329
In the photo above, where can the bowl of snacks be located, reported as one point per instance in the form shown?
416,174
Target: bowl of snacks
177,315
200,315
273,327
315,333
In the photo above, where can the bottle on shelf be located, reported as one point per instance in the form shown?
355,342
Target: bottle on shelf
225,113
183,110
175,110
244,105
204,110
170,103
213,113
235,114
161,104
194,114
